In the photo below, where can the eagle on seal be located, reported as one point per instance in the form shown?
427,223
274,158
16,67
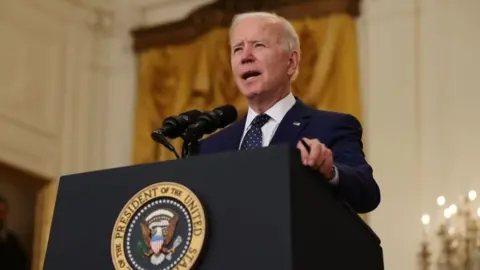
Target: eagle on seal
157,231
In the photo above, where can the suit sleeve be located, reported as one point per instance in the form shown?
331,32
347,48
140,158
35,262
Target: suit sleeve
356,184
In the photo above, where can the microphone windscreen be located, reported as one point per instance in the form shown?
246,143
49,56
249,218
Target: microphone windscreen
191,116
227,114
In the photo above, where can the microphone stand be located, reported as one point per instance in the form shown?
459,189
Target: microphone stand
191,145
190,148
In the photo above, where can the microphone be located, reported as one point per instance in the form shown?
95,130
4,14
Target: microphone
173,127
208,122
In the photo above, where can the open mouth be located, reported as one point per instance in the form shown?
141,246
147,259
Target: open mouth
250,75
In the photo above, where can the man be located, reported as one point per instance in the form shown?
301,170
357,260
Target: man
265,58
12,255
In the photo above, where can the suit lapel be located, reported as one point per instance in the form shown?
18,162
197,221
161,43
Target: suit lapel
235,134
289,130
296,120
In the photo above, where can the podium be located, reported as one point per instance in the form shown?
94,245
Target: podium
253,210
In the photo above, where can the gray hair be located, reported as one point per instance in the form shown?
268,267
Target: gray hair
292,42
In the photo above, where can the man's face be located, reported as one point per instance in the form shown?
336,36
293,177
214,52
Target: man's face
3,214
260,61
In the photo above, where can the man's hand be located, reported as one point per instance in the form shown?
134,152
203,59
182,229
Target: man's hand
319,157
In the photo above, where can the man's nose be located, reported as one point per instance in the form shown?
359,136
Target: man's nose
247,56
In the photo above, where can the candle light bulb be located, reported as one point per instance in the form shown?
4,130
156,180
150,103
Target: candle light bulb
441,200
453,209
425,219
478,212
447,213
425,222
472,195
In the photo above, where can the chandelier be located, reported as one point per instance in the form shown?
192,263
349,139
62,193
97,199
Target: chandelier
457,245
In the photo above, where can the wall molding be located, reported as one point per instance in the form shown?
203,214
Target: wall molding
52,91
220,13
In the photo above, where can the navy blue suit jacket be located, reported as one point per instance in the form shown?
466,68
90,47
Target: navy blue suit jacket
341,133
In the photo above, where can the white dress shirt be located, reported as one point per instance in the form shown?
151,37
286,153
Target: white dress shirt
276,113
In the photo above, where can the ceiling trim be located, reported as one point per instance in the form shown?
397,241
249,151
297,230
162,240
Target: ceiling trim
220,13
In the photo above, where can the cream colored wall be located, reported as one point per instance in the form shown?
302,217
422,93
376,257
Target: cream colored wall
420,83
67,88
67,85
68,80
48,85
155,12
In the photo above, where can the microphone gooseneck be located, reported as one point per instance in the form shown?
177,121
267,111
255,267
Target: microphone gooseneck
173,127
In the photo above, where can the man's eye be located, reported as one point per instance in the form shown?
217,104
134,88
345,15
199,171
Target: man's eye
259,45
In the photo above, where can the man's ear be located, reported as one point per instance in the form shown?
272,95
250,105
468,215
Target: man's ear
293,62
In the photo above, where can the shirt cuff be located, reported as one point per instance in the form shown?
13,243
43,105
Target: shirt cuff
335,179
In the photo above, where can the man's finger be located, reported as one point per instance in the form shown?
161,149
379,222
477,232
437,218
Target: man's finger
315,157
323,156
326,167
303,152
310,142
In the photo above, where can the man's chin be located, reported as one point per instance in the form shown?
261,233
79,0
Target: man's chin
251,92
253,96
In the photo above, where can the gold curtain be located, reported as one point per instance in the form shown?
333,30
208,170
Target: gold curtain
177,78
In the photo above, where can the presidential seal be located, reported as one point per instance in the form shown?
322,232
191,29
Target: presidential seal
162,227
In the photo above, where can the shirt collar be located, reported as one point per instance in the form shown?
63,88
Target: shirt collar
276,112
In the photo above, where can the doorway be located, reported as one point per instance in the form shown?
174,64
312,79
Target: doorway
20,188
